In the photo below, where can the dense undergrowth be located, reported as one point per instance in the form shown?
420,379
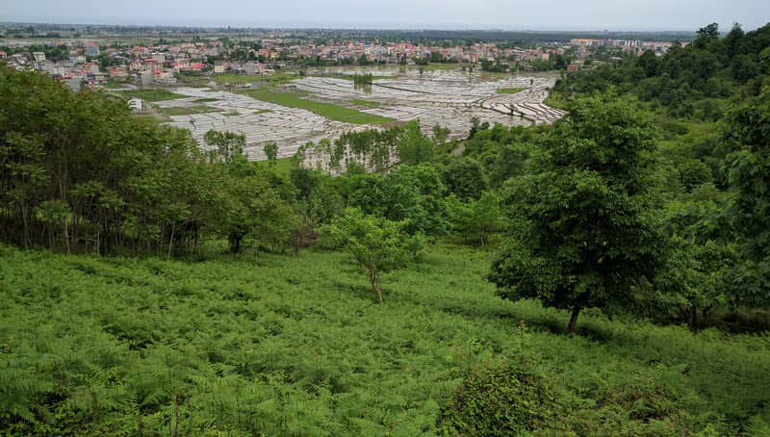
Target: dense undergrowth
277,345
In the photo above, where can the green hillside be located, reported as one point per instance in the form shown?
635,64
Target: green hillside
297,346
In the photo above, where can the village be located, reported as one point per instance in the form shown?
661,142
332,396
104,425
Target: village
99,61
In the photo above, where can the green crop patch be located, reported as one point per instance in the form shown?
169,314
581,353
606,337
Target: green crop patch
509,90
188,110
327,110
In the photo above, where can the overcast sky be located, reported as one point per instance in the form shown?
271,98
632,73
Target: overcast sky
462,14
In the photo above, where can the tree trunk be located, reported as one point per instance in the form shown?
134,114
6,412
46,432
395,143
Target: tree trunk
573,320
694,318
235,242
376,287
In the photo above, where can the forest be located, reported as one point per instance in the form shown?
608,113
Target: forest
606,275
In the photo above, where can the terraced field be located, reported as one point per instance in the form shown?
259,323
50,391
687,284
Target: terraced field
450,98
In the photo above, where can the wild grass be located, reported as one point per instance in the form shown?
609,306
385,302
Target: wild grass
283,345
327,110
509,90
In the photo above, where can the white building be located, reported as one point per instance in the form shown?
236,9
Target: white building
136,104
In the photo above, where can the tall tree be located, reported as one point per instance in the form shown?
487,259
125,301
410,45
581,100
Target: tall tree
748,169
586,223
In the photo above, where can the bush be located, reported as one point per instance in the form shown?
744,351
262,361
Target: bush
505,399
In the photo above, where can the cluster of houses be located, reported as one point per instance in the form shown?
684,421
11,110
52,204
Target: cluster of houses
140,64
160,64
586,45
404,52
88,64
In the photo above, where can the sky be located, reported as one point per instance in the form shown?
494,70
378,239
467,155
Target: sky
643,15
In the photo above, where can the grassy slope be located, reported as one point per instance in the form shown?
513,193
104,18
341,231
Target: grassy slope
328,110
297,344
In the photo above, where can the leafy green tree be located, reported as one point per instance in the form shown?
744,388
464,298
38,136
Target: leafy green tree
414,194
440,134
413,146
706,35
692,281
126,184
229,145
748,170
465,177
317,203
271,151
586,227
377,245
745,67
649,63
478,218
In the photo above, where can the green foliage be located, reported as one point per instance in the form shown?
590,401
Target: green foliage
709,68
414,147
377,245
108,346
504,399
271,151
477,218
327,110
125,183
748,169
229,145
363,79
372,149
465,178
414,194
440,134
586,222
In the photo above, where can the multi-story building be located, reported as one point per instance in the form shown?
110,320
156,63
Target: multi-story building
159,57
92,49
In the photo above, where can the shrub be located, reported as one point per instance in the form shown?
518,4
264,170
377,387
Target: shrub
501,400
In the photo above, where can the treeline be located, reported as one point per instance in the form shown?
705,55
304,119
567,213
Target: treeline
80,174
696,80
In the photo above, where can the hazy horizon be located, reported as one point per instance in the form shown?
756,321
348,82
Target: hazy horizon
508,15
